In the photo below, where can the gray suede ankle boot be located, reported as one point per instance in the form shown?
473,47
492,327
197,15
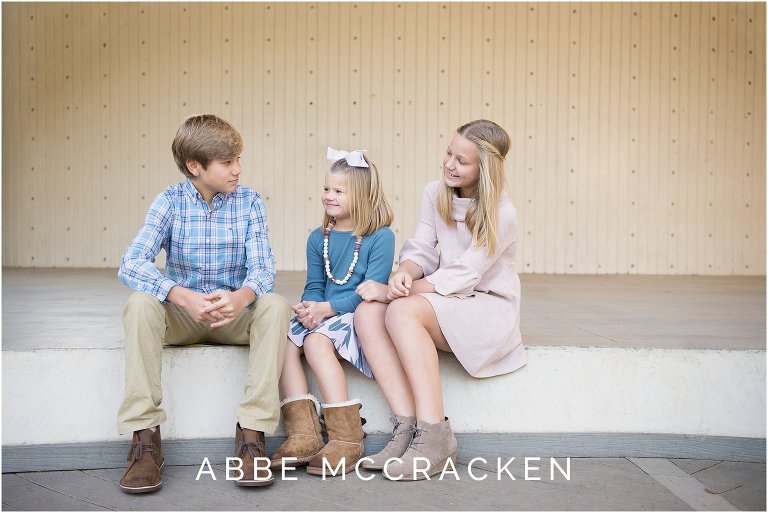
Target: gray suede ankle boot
402,433
432,446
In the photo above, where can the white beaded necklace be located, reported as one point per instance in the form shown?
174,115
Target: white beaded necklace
328,260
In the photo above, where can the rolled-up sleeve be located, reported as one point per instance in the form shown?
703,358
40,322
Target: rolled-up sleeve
459,278
421,248
260,261
137,267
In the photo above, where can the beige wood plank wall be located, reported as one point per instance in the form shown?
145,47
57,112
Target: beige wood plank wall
638,128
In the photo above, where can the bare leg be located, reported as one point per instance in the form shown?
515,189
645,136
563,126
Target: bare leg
383,358
416,334
321,356
293,381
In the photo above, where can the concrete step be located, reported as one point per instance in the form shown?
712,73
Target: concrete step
63,374
561,389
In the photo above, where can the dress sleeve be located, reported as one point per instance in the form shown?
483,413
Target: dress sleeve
380,258
459,278
314,289
421,248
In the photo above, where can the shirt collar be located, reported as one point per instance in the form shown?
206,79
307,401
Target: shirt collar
194,194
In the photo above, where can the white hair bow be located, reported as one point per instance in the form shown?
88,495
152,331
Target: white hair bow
354,158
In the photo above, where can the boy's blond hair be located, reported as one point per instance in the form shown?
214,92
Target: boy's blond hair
204,138
368,207
492,146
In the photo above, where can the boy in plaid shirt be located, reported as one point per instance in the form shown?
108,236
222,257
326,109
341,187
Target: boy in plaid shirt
220,274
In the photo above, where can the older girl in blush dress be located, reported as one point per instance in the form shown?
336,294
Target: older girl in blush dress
457,290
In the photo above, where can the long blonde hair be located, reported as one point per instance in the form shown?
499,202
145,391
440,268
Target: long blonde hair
492,146
368,207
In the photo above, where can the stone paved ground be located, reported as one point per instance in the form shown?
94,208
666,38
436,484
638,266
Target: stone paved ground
595,484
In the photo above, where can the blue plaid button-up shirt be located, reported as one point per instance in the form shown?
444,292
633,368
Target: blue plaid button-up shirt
224,247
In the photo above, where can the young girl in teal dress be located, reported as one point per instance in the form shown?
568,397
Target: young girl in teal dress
353,245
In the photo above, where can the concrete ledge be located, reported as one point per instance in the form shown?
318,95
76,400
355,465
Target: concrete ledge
618,366
36,458
62,396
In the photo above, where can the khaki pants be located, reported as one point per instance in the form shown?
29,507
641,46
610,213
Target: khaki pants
149,324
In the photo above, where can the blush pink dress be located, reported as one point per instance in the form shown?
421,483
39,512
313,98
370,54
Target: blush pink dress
477,302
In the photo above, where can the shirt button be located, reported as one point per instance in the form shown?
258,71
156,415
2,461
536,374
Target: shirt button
207,240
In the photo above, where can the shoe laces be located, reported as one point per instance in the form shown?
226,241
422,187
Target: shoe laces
416,434
397,424
140,448
254,449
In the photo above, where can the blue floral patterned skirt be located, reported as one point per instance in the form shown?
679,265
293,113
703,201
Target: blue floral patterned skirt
341,331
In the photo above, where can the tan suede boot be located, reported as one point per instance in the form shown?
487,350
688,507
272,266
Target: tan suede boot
249,444
402,433
433,444
345,439
144,462
302,425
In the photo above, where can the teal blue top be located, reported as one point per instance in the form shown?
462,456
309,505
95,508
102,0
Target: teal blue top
374,262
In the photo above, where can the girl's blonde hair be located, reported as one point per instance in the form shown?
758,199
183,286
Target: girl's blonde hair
492,146
368,207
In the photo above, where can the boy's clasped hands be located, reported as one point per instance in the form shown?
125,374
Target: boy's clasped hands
218,308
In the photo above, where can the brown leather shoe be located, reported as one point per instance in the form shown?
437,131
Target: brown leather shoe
302,425
249,444
145,459
345,439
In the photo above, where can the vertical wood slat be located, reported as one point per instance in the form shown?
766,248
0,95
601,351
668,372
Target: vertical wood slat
32,163
599,252
559,77
284,98
739,195
11,180
757,93
425,62
720,54
539,45
678,255
647,229
668,164
579,143
263,63
410,136
709,40
689,92
618,165
400,45
22,113
750,205
49,185
523,65
575,107
665,144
